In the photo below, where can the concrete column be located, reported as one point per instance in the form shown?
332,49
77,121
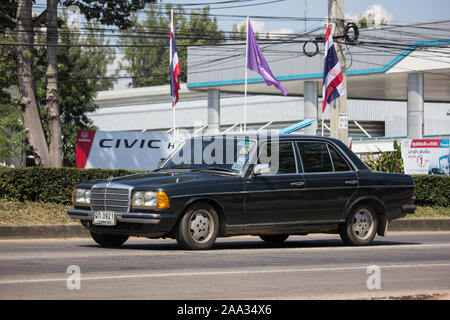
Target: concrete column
310,103
415,105
213,111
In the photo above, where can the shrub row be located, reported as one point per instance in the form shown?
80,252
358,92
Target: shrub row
432,190
48,184
56,185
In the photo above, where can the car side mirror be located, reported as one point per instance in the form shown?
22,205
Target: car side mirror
262,168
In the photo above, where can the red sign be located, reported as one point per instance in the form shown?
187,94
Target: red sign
84,144
425,143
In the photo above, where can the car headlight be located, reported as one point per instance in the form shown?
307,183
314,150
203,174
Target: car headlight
81,196
150,200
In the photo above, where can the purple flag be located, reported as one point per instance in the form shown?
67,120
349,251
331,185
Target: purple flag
257,63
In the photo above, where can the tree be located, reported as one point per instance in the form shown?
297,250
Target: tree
82,73
369,20
19,14
11,130
148,61
240,32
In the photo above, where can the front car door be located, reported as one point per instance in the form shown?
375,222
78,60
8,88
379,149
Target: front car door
330,180
275,197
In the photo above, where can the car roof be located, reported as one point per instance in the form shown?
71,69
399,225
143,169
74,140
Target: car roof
360,165
269,135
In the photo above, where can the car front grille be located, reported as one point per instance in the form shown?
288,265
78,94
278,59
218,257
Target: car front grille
110,199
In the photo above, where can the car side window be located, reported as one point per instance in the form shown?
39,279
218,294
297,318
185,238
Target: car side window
315,157
286,163
338,160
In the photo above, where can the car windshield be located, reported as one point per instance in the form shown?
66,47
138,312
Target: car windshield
212,153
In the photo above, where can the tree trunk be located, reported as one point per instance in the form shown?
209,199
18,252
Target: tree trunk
31,117
53,112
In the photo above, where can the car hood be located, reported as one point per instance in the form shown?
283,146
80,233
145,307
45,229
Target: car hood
161,178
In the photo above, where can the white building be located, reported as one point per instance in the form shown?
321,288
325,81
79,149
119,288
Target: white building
399,93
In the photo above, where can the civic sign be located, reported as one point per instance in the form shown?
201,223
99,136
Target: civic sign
426,156
132,150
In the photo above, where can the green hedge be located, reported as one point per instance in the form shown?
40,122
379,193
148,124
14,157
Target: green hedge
56,185
48,184
432,190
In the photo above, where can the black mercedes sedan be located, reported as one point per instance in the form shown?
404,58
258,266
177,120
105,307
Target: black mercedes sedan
269,186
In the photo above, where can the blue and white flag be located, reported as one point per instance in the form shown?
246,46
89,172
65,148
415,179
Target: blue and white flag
175,68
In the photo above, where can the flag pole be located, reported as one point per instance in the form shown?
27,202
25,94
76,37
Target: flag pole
323,89
173,105
322,122
174,118
246,76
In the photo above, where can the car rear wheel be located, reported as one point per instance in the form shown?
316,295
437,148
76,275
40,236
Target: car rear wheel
360,228
109,240
198,228
274,238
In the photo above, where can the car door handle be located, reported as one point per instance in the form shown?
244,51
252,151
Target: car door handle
351,182
298,184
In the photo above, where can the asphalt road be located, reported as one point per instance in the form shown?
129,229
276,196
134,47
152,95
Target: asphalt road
309,267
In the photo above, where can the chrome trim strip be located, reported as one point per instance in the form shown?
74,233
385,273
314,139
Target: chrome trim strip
290,223
266,190
113,185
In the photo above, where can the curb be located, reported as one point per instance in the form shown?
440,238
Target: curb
46,231
64,231
420,225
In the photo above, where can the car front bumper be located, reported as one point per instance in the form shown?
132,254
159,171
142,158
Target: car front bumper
146,224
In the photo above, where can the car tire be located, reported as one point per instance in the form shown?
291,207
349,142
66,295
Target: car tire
198,228
109,240
360,227
274,238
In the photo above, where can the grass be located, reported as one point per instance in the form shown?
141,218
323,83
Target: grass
430,213
20,213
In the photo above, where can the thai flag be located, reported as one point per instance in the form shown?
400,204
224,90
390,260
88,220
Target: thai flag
174,67
333,86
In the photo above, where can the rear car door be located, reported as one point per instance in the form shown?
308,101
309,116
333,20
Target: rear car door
330,180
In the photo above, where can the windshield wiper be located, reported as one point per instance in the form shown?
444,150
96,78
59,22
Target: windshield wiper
219,169
179,166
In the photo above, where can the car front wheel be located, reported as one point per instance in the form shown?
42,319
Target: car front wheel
198,228
109,240
360,227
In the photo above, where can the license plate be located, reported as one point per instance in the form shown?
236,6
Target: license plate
104,218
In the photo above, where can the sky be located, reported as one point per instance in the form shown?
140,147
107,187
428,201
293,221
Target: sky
400,10
396,11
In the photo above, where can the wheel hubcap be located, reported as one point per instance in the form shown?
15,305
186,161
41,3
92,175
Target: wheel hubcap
362,224
200,226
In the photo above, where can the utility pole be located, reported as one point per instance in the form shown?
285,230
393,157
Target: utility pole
306,10
338,108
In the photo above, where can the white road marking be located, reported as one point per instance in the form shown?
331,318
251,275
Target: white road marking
220,273
96,252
